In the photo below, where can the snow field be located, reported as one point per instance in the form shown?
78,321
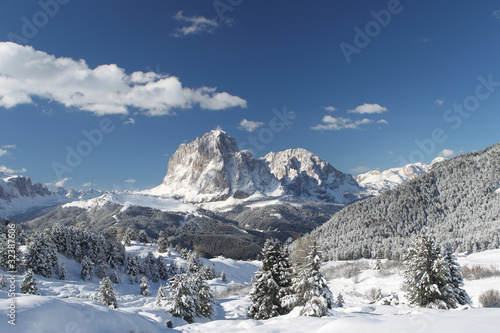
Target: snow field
68,306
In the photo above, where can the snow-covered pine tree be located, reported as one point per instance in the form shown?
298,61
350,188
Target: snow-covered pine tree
162,268
162,242
426,277
456,280
182,299
207,272
193,262
41,255
6,254
312,289
126,239
63,274
339,303
223,276
144,285
87,271
28,284
205,306
106,294
3,282
142,236
133,266
160,296
272,283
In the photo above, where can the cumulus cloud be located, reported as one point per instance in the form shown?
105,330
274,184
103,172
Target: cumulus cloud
130,121
382,121
330,108
106,89
368,109
129,181
3,152
249,125
439,102
87,184
447,153
340,123
195,25
8,171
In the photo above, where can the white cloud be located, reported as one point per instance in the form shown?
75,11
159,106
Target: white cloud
382,121
496,14
60,183
330,108
249,125
106,89
197,25
4,169
87,184
9,146
368,109
360,169
446,153
439,102
130,121
3,152
332,123
129,181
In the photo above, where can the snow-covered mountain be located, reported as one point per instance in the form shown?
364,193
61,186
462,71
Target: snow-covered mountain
19,196
212,168
378,181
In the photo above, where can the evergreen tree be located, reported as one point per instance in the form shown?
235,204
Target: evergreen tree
87,271
207,272
340,301
144,285
106,294
41,255
456,280
272,283
8,252
142,236
223,276
3,282
160,296
182,299
63,274
162,268
426,277
133,267
311,288
205,299
28,284
193,262
162,243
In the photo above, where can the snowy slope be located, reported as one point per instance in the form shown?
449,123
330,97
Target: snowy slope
379,181
127,199
68,306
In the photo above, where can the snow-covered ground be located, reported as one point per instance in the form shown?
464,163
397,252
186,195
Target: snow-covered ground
68,306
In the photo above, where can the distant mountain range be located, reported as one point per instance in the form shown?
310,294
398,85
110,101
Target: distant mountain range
22,200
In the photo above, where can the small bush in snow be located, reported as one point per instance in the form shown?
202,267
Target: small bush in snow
373,295
490,299
477,272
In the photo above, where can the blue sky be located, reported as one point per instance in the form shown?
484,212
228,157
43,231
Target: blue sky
362,84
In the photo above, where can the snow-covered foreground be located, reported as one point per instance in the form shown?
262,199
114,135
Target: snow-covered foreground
67,306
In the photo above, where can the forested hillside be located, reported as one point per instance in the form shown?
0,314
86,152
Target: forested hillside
458,202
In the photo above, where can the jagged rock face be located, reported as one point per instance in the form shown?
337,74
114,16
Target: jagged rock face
378,181
304,174
213,168
15,187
